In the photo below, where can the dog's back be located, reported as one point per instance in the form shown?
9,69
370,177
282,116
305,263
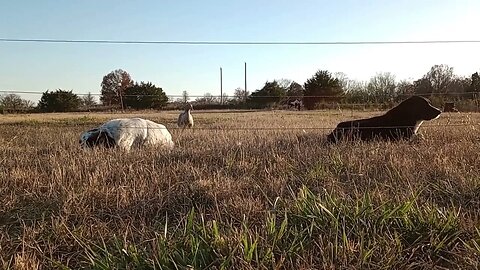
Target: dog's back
379,127
401,122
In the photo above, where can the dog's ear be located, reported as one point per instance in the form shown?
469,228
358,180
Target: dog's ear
105,139
432,112
96,137
92,139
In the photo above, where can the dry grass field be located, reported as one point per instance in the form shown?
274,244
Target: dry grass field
233,198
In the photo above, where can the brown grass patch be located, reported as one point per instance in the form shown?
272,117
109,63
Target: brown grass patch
60,204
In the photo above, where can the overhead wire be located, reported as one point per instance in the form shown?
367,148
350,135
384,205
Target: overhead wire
187,42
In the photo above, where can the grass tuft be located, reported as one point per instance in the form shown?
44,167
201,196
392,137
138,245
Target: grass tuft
238,199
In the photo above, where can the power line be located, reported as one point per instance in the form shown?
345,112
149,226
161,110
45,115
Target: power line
146,42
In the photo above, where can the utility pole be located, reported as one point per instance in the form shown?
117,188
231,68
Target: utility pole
121,101
245,81
221,87
120,94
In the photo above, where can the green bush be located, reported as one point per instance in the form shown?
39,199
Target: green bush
59,101
145,96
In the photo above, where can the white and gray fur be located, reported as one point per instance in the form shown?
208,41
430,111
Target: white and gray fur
185,119
128,133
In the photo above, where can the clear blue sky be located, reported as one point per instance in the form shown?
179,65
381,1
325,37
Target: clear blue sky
38,66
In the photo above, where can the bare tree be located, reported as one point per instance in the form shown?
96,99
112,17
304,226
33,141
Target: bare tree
343,79
284,83
294,92
225,98
239,94
356,91
405,89
28,104
185,97
475,83
440,77
207,99
89,100
423,86
350,85
13,102
459,85
382,87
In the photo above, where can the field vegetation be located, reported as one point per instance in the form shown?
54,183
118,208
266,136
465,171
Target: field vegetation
229,197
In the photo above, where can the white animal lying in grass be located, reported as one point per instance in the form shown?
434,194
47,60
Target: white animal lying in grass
126,133
185,119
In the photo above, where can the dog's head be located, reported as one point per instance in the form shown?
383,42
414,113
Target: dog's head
188,107
416,108
338,133
96,137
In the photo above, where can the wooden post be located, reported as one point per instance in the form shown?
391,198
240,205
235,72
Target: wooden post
245,81
221,86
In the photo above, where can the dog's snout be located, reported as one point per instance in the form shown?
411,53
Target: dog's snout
434,113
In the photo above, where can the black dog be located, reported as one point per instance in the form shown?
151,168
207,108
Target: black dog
400,122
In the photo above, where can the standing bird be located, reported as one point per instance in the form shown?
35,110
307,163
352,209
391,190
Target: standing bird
185,119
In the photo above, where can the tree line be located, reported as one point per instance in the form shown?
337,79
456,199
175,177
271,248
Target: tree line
118,90
323,87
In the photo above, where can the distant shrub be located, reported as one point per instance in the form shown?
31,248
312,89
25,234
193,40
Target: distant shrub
59,101
145,96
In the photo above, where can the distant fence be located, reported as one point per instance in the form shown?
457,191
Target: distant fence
463,102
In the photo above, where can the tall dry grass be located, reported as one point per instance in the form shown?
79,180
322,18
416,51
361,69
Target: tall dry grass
229,197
